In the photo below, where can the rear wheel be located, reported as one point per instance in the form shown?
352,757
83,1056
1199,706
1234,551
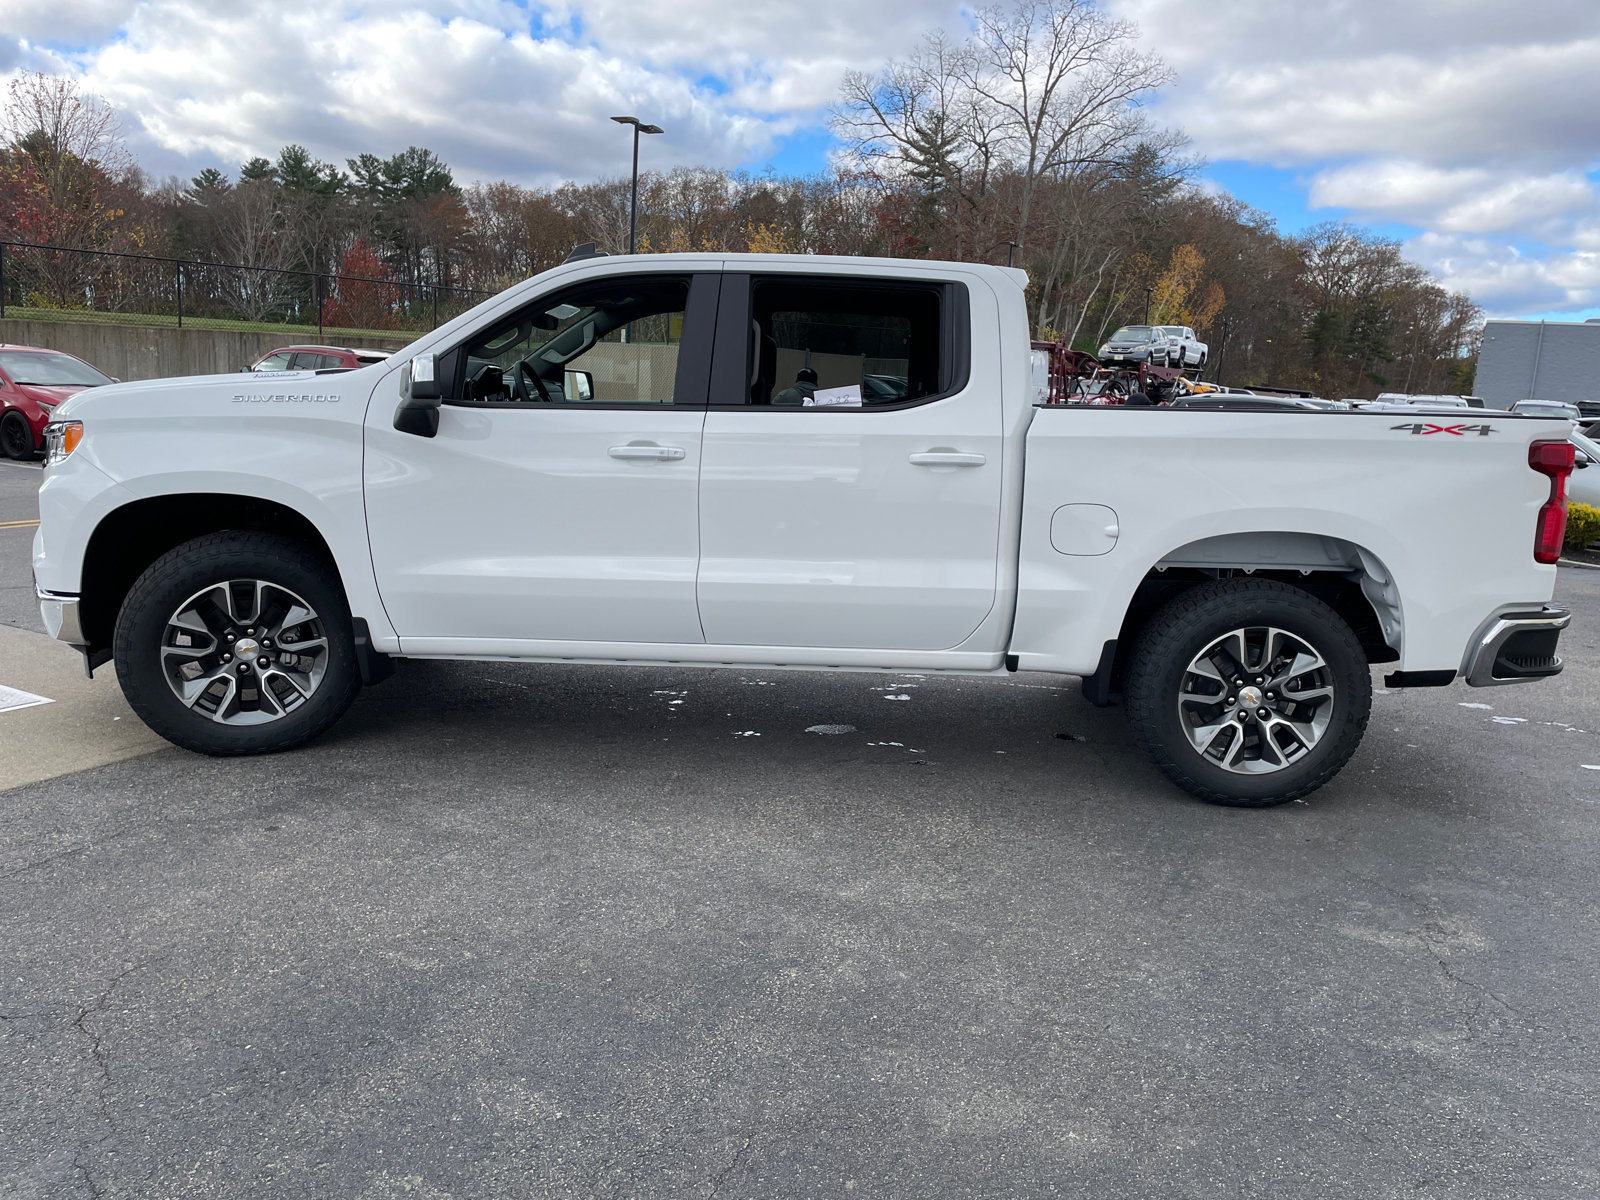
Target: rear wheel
16,436
237,643
1248,692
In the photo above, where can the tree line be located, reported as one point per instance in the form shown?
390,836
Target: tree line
1026,141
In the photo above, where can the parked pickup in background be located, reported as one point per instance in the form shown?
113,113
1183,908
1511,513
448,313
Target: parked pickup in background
675,460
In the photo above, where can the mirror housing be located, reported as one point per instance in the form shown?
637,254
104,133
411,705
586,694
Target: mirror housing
578,385
420,396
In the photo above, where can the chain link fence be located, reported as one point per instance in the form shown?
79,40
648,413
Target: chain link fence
54,283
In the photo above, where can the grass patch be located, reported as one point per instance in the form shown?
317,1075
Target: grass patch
299,333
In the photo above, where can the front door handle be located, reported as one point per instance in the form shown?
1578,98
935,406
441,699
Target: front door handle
948,458
653,453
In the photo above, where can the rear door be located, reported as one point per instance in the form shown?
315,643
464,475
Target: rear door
850,488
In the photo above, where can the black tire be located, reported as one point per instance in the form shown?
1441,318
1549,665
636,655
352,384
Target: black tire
143,625
16,437
1202,363
1170,645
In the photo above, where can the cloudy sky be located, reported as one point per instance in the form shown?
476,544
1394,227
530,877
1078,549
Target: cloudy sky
1465,127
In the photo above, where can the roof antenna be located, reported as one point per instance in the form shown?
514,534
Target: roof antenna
584,250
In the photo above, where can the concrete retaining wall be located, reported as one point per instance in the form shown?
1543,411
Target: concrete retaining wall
140,352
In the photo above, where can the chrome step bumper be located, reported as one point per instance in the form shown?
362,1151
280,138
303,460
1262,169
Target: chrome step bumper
1516,647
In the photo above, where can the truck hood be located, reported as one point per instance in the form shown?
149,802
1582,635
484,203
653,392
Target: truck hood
216,395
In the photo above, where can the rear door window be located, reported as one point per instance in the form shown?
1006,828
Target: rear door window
845,343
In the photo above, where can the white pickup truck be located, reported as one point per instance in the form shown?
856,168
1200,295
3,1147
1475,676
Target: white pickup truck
790,462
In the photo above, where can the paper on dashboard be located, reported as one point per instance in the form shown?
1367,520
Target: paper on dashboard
839,397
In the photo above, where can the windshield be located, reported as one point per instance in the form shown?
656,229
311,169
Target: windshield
50,370
1133,333
1586,444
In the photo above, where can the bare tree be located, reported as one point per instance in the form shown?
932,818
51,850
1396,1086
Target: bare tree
257,224
1058,83
1050,89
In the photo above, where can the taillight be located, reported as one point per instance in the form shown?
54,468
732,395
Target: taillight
1554,459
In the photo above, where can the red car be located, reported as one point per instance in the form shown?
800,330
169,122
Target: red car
33,381
316,358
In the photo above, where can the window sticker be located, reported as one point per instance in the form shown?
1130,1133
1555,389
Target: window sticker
839,397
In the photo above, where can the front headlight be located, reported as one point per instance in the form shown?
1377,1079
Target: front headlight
61,438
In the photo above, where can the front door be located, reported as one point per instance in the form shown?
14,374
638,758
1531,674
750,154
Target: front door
558,500
850,485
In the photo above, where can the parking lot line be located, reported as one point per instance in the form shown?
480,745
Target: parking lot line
88,724
18,524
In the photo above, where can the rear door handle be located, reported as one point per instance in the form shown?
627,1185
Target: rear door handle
943,458
656,453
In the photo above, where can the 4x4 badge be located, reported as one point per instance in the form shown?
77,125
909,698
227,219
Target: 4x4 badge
1459,430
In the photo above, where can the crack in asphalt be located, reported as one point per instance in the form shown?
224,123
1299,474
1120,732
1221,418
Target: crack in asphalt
46,861
102,1060
716,1184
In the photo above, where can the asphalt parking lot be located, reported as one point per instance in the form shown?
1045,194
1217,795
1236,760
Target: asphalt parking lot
529,931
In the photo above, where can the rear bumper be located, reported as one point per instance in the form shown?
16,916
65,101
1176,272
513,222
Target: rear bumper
1516,647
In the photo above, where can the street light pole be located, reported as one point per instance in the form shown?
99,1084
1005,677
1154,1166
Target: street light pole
1147,293
633,204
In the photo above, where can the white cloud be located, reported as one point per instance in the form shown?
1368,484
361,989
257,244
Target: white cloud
1461,117
1446,82
1507,282
496,89
64,22
1470,200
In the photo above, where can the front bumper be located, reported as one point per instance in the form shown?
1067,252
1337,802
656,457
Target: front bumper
1516,647
60,616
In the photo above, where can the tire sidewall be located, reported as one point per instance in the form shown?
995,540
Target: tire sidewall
9,423
1175,641
206,562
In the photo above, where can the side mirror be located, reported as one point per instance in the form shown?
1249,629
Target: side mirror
419,397
579,385
1580,460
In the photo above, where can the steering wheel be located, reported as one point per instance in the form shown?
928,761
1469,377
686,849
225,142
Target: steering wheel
523,375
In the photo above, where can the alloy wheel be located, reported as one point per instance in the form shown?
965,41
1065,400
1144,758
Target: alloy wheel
244,652
1256,700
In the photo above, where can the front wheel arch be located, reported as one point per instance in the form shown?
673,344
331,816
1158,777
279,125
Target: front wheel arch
128,539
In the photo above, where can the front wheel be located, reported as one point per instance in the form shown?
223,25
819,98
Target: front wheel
1248,692
16,436
237,643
